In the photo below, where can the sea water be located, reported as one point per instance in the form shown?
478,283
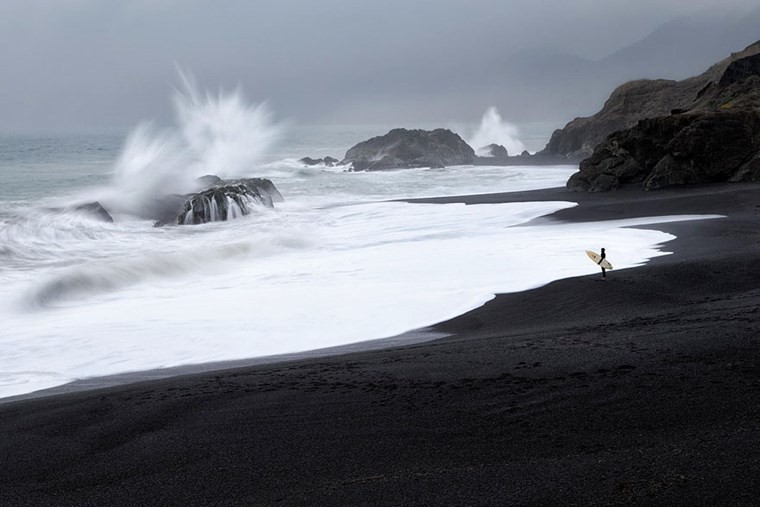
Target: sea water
344,259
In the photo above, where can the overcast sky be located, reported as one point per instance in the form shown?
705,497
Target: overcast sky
97,63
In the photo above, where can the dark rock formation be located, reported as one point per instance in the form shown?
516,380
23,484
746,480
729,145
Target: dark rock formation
223,202
228,200
95,210
674,150
311,161
209,179
328,161
715,138
265,187
637,100
740,69
627,105
494,151
402,148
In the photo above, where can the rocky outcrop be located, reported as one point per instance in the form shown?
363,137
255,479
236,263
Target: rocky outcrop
716,137
627,105
637,100
208,180
95,210
225,201
740,69
675,150
265,187
493,151
402,148
327,161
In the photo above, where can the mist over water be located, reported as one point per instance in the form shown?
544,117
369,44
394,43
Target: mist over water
494,130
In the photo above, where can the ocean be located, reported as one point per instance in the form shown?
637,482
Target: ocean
342,260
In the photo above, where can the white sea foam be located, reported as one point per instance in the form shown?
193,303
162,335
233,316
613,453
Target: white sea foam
301,278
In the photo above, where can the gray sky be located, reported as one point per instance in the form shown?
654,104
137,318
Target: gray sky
98,63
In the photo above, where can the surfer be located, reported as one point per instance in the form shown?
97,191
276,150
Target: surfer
604,271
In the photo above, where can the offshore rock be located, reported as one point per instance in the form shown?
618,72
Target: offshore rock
226,201
327,161
402,148
209,179
95,210
493,151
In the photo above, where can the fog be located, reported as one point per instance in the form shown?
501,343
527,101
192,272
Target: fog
73,64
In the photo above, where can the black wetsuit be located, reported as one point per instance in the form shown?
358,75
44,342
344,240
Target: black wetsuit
604,271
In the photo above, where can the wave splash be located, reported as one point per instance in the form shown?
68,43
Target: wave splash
222,134
493,129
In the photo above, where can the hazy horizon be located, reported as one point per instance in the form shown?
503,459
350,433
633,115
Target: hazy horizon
82,64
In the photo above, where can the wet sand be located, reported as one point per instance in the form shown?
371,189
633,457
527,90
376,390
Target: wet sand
641,389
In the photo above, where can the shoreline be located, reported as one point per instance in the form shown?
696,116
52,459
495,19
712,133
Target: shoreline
648,394
577,214
132,377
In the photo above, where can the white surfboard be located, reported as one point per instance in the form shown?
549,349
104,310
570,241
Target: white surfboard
598,259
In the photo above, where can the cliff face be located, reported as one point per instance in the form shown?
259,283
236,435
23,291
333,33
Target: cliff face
637,100
713,137
672,150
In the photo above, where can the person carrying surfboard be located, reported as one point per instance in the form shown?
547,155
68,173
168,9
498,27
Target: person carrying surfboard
601,261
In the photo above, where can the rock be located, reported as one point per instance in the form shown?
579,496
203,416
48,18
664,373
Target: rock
261,185
525,153
494,151
402,148
740,69
718,87
660,152
95,210
627,105
327,161
311,161
208,180
749,171
715,139
223,202
226,201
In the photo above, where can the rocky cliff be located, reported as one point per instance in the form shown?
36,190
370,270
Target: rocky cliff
637,100
714,136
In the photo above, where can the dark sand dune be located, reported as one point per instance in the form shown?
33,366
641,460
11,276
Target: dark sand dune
642,389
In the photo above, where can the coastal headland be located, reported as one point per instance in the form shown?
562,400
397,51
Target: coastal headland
641,389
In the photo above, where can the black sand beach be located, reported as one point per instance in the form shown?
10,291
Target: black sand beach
643,389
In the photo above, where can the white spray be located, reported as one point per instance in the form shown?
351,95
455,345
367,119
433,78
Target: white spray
494,130
220,134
